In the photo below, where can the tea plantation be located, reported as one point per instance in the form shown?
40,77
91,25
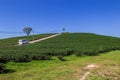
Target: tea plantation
14,40
79,44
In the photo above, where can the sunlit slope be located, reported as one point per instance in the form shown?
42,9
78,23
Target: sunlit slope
14,40
79,43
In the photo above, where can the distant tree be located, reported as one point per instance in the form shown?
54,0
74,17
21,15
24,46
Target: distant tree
63,29
27,30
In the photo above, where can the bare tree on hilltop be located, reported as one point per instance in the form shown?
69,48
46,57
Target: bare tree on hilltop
27,30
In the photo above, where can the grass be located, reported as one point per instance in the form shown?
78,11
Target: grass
73,69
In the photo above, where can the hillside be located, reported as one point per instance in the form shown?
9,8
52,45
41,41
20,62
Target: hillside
64,57
14,40
80,43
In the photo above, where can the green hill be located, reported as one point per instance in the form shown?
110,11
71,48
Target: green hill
57,65
66,44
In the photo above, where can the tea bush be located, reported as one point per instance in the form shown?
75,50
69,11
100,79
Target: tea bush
41,57
2,67
24,58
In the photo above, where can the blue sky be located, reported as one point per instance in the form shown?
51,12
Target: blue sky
45,16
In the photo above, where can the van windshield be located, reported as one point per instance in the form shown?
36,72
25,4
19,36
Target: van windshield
22,40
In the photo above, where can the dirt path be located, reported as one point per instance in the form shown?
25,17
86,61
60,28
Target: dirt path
38,40
85,76
31,42
90,68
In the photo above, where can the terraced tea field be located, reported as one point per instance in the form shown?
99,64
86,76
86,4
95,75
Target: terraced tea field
79,43
64,57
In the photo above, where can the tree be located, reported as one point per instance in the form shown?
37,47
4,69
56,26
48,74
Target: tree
63,29
27,30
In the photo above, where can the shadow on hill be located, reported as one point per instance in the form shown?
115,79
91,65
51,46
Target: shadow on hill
8,71
61,58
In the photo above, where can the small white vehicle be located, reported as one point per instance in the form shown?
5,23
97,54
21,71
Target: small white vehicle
23,41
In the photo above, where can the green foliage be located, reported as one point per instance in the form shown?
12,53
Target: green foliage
24,58
5,59
41,57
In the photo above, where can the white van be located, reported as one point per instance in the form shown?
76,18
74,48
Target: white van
23,41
